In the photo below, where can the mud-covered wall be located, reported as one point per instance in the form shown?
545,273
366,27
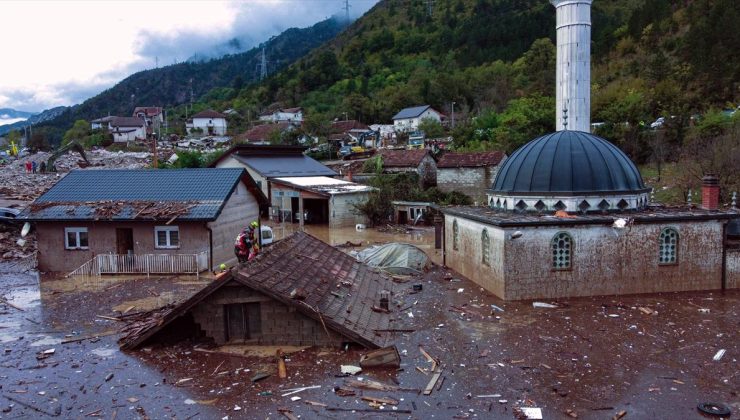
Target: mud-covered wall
280,324
467,259
53,257
238,212
342,212
732,268
605,260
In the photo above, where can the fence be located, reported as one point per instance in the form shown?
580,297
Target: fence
144,264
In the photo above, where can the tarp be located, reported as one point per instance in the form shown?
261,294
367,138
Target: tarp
396,258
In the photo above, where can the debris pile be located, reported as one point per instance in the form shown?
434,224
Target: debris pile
9,236
106,210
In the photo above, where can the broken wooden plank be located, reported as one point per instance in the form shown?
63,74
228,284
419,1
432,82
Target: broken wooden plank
88,337
432,382
386,357
380,400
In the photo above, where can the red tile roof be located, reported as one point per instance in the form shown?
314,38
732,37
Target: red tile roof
402,158
262,132
209,113
345,126
149,111
467,160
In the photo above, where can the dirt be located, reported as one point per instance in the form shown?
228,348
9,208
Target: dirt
592,356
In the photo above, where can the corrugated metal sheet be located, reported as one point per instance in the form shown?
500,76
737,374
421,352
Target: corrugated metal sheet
285,166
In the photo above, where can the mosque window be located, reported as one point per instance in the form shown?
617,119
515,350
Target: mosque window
560,206
540,206
668,246
521,206
562,251
486,247
455,235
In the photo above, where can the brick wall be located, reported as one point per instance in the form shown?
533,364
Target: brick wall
53,257
281,325
238,212
604,260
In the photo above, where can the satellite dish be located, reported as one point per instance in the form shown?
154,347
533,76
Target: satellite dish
26,229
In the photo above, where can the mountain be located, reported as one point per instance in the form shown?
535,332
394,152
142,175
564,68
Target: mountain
495,59
32,119
10,116
176,84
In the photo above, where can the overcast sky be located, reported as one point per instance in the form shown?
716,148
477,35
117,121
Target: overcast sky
61,52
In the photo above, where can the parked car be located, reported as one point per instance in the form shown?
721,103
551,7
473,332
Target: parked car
266,235
658,123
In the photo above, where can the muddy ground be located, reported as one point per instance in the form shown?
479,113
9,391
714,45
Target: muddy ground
591,357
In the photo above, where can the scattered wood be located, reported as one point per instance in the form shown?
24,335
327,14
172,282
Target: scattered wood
95,413
430,359
315,403
380,400
57,412
287,413
372,385
5,301
344,392
432,382
260,376
297,390
393,330
282,370
88,337
386,357
217,368
109,318
619,415
367,410
379,309
646,311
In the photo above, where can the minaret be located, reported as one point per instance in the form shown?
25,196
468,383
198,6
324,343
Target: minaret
573,81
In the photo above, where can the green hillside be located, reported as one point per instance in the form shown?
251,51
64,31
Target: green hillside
495,59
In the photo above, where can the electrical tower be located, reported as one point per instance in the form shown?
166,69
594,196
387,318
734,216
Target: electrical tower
346,11
263,65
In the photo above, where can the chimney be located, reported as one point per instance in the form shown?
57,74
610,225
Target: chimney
573,67
710,192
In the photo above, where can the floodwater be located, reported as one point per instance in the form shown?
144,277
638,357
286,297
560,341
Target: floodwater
648,355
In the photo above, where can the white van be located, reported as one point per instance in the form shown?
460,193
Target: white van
266,236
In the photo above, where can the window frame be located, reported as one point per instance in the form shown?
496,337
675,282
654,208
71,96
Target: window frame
78,239
554,248
168,232
661,243
485,248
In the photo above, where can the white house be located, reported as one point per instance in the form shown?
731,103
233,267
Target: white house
283,115
408,119
126,129
153,115
210,122
103,122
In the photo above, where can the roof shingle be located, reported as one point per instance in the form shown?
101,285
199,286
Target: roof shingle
402,158
466,160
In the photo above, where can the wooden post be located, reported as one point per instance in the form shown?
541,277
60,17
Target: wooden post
300,209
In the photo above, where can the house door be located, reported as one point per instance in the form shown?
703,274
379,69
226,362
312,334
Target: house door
402,217
124,241
243,321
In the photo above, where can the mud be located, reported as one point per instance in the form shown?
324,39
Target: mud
592,356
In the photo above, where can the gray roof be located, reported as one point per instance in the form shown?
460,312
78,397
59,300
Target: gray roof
199,194
127,122
412,112
285,166
568,162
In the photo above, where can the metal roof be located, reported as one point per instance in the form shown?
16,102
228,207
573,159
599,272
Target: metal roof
284,166
568,162
323,184
77,196
412,112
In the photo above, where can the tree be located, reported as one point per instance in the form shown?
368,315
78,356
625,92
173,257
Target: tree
79,132
432,128
38,141
535,68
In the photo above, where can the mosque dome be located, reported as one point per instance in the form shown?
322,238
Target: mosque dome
568,170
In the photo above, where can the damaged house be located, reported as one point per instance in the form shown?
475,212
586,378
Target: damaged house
143,221
299,291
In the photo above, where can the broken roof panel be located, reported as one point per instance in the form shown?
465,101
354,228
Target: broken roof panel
125,192
337,290
323,184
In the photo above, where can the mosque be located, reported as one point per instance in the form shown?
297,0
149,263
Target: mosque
569,214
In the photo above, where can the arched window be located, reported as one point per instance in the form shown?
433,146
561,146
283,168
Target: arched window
485,247
455,235
562,251
668,246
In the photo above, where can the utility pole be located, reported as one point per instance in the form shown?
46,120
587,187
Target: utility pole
346,11
430,6
263,65
453,114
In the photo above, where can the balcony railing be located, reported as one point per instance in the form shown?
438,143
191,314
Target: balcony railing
144,264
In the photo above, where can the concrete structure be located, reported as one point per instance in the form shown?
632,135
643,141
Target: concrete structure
125,129
137,212
418,161
154,115
265,133
294,115
299,291
408,119
319,200
573,76
407,212
468,173
101,123
264,163
525,257
208,122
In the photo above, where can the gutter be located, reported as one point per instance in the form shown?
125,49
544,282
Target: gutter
210,247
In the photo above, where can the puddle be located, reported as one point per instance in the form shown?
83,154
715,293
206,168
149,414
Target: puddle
104,352
46,341
24,298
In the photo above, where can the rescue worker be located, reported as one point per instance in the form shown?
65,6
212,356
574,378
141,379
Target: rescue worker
242,246
253,238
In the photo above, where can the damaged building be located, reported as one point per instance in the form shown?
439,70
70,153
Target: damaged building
299,291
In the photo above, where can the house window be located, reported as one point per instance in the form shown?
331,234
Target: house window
167,237
668,246
562,251
75,238
243,321
455,235
486,247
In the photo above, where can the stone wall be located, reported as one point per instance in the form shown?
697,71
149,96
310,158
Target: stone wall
240,209
605,260
732,268
53,257
281,325
472,182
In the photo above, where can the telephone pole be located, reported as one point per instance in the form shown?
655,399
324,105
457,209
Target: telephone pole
346,10
430,5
